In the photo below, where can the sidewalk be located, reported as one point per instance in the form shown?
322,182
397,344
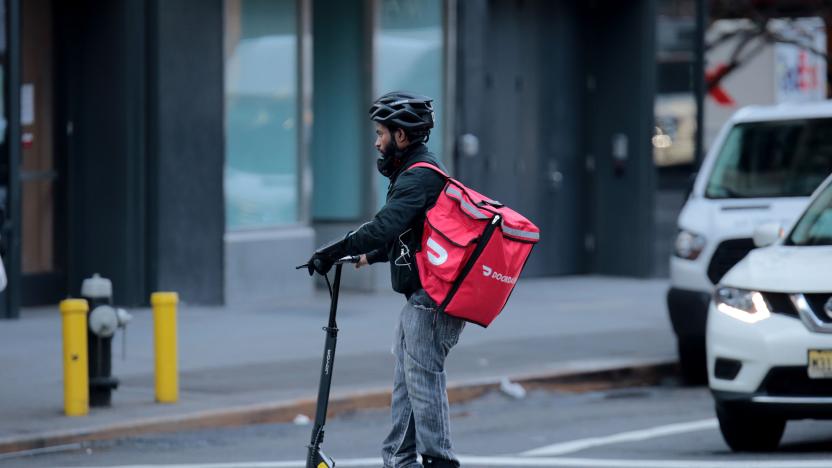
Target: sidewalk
259,359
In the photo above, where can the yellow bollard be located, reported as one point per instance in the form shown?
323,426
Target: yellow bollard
164,338
76,378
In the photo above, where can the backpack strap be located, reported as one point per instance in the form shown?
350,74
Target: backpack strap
429,166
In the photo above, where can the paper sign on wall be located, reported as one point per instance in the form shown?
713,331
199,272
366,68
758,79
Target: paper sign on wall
27,104
800,72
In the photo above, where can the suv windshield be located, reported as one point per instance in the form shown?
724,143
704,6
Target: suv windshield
773,159
815,226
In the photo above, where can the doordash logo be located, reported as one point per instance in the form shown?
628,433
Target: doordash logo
438,255
488,271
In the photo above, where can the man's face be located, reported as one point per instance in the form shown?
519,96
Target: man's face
386,142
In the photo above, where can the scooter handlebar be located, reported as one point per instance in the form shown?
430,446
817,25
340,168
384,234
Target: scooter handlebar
348,259
340,261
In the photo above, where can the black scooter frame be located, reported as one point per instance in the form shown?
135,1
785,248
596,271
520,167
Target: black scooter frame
315,457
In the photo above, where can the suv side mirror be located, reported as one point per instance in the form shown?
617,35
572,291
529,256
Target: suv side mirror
767,234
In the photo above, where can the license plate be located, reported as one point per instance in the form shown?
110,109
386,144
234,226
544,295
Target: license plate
820,363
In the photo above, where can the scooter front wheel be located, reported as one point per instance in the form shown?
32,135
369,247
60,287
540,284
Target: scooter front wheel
320,460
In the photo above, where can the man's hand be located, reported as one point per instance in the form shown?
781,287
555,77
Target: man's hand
323,258
319,263
362,261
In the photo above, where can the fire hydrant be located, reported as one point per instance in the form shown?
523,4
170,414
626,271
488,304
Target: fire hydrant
103,320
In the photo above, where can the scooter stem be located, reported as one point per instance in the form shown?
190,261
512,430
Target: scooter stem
315,458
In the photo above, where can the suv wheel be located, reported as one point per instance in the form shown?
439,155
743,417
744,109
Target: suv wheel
744,431
692,361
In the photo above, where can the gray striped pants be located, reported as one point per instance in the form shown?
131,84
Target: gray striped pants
421,422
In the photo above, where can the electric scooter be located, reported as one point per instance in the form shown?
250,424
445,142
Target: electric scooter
315,457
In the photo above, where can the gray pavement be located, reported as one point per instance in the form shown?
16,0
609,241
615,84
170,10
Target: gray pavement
270,353
661,426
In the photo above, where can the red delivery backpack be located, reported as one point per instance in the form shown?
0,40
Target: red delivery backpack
473,250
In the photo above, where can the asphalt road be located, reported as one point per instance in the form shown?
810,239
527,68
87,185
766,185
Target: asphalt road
658,427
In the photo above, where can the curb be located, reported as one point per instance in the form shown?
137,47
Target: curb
639,373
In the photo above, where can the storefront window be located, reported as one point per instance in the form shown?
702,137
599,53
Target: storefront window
340,148
261,173
409,58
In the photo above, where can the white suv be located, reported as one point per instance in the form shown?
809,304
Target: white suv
769,332
762,168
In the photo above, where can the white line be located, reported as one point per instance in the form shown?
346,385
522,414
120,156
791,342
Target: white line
582,444
520,462
602,463
355,463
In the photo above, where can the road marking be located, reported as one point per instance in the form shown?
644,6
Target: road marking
604,463
525,461
355,463
632,436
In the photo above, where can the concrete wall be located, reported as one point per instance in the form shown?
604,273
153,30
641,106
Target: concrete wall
260,265
187,128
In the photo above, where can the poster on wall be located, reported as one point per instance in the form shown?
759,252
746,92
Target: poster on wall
799,61
27,104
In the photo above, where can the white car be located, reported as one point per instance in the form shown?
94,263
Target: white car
762,168
769,331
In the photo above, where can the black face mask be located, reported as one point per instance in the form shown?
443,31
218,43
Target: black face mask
390,160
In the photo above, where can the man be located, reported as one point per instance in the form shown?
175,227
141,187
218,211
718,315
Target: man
423,336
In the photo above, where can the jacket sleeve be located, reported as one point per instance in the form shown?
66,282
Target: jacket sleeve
408,200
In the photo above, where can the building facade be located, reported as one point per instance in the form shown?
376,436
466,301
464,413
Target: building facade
207,146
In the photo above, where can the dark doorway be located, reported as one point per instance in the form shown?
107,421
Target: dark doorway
102,108
520,88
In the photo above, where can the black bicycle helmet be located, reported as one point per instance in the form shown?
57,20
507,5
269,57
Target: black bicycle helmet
411,112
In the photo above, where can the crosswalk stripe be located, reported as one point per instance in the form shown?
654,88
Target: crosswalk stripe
630,436
508,462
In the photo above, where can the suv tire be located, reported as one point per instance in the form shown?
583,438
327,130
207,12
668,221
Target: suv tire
745,431
692,362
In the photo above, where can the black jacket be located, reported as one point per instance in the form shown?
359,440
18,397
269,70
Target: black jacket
395,232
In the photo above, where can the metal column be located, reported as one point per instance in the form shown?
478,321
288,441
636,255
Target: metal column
699,78
10,302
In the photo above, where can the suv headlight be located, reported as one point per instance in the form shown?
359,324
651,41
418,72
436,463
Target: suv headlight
741,304
688,245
